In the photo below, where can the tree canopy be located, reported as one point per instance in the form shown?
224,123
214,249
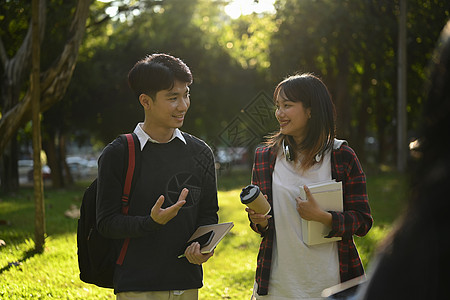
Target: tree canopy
351,45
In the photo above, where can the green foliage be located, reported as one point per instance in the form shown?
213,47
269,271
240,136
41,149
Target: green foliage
352,45
221,87
228,275
14,21
247,39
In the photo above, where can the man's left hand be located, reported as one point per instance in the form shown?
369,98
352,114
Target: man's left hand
194,256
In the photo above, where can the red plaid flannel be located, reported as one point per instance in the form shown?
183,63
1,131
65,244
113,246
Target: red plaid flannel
356,218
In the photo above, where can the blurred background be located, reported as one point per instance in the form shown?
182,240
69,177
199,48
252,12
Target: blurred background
237,50
372,54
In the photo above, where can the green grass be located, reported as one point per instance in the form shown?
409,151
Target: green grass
25,274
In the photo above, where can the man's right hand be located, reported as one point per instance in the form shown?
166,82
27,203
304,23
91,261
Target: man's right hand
164,215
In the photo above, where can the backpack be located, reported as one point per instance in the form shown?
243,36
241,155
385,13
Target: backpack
96,254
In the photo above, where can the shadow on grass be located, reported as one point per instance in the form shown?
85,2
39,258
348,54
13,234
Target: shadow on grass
26,255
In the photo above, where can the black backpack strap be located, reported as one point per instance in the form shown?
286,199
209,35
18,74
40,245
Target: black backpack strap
133,150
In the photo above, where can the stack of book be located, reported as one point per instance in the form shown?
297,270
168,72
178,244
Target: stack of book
329,196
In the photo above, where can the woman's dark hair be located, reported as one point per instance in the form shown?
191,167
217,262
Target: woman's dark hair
313,94
157,72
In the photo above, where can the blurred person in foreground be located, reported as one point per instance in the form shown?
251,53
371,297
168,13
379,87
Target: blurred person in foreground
304,151
414,262
175,190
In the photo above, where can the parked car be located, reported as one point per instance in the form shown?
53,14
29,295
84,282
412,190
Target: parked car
46,173
25,165
81,168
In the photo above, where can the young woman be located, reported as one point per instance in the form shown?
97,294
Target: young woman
304,151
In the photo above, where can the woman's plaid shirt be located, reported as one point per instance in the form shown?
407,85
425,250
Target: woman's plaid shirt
356,218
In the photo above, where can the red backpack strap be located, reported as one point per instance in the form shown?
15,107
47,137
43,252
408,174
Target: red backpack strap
127,190
130,172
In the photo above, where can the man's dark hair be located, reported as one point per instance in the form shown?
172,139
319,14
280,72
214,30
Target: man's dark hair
157,72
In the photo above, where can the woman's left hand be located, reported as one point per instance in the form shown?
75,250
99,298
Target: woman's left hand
311,211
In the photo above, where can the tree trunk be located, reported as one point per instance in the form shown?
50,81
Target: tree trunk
341,98
39,232
53,82
385,138
62,148
9,170
402,124
15,74
363,115
50,147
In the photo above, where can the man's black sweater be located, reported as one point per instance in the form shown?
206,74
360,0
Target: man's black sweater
151,262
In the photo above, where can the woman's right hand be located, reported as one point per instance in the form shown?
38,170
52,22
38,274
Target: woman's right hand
259,219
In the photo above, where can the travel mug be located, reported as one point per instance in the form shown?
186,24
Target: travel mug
254,199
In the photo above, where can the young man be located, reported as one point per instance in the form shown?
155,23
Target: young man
174,190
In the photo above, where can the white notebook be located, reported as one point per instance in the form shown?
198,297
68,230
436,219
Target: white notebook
329,196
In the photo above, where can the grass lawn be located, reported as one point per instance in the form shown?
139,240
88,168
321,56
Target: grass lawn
228,275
